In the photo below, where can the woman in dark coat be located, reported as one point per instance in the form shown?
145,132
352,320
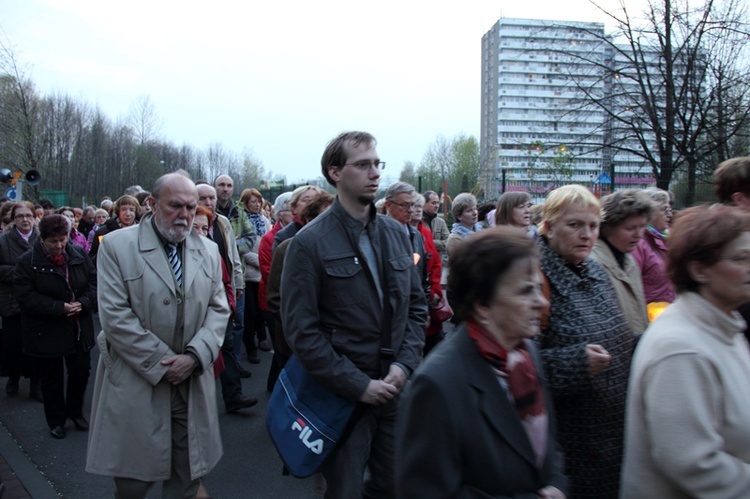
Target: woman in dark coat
55,284
125,212
476,419
586,345
15,242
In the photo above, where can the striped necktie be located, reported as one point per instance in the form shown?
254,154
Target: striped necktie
174,261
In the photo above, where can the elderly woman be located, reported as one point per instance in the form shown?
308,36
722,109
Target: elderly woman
476,419
55,283
14,243
651,252
125,212
688,431
586,344
255,324
514,209
75,237
625,215
100,218
464,210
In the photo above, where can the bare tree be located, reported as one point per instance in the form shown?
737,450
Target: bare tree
675,91
144,120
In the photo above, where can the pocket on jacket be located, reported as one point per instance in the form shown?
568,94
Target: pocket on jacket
345,278
111,360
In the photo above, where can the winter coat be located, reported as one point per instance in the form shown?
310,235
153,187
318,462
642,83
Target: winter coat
140,307
265,255
688,431
590,409
12,246
459,436
111,225
651,256
42,292
627,284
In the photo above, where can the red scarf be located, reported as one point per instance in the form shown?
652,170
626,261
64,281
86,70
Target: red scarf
516,367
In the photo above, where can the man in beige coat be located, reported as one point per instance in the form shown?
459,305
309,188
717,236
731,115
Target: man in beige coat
154,415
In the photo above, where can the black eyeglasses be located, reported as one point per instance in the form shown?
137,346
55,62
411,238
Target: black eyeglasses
364,166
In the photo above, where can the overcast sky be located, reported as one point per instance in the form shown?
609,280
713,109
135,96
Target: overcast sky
278,78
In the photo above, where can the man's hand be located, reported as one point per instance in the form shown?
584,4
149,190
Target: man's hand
396,377
599,358
379,392
180,368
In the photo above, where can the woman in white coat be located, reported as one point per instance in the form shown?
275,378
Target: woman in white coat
688,431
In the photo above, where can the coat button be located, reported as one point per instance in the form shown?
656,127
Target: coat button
179,301
146,365
166,301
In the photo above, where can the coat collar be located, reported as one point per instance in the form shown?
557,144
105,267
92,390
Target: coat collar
152,249
39,258
493,401
566,281
708,317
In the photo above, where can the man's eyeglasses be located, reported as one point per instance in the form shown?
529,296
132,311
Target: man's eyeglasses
21,217
406,206
364,166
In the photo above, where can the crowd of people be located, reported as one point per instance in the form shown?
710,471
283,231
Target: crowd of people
553,382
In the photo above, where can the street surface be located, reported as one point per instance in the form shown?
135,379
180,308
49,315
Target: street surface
250,466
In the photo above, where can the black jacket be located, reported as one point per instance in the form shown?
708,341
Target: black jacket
111,225
12,246
458,435
42,292
330,307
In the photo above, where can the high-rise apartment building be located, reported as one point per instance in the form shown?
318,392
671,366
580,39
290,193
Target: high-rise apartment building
539,129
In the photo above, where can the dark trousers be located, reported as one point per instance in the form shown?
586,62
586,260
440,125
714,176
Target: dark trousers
231,384
61,402
255,324
15,361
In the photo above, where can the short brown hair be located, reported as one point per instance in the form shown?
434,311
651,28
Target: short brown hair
21,204
125,200
478,265
335,153
312,210
54,225
700,234
505,205
732,175
621,205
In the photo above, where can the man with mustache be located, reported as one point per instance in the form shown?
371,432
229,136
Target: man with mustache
163,311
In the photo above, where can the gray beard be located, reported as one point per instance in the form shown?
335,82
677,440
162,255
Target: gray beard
169,233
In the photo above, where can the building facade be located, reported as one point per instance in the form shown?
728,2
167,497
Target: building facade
539,127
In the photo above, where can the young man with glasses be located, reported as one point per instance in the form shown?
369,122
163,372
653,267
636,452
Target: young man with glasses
343,273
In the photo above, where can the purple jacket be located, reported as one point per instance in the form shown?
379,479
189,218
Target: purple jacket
79,240
651,255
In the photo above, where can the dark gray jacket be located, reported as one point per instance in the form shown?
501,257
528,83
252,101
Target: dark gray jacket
330,308
12,246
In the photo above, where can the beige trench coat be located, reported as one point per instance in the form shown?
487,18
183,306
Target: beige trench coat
628,285
138,309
